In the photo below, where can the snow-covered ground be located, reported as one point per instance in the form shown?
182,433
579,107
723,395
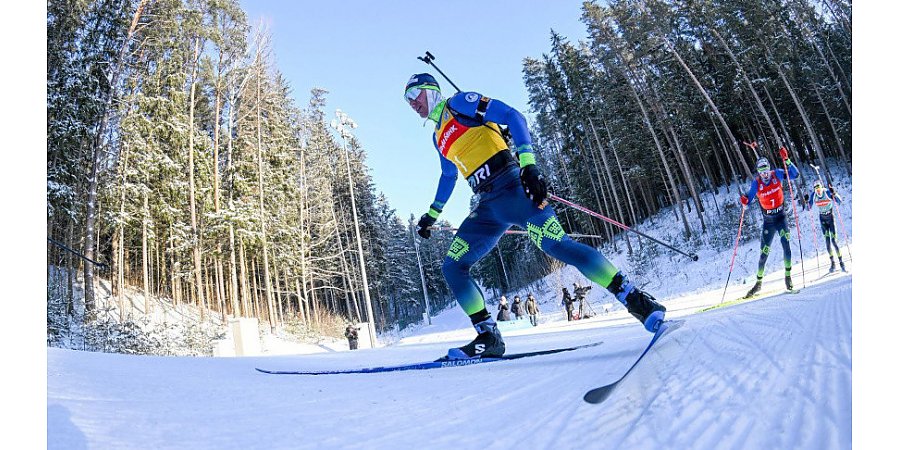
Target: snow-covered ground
770,373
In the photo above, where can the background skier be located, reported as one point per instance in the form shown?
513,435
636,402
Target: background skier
767,187
825,200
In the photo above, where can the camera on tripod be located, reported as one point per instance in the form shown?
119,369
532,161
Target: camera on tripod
581,291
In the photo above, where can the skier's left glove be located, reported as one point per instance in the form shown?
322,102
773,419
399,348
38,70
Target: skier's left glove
532,179
426,221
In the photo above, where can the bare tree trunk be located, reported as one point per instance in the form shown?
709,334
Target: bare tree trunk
662,156
145,263
628,193
734,175
715,109
97,148
609,179
837,137
195,232
809,128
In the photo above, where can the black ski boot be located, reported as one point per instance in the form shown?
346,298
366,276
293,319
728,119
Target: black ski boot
755,289
645,308
640,304
488,343
788,283
833,268
843,269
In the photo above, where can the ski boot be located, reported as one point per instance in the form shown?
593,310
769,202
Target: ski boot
788,283
755,289
488,343
843,269
640,304
645,308
833,268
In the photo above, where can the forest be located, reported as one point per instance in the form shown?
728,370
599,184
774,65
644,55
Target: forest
180,166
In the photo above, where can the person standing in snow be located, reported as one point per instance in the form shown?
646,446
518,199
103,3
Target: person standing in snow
517,308
511,191
825,200
767,187
352,335
503,313
569,303
532,308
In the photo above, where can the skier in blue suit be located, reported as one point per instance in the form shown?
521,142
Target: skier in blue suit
511,191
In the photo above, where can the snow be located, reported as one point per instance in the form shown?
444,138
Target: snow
773,372
770,373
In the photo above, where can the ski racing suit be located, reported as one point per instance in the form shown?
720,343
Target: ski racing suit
771,201
825,203
468,139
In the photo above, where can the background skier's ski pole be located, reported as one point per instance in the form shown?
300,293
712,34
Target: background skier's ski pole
812,226
734,253
787,176
693,256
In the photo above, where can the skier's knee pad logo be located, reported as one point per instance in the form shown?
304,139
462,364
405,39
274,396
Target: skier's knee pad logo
551,229
458,248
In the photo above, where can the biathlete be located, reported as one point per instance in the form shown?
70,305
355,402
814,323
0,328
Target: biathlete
511,191
825,200
768,188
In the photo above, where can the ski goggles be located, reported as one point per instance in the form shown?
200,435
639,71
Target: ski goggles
413,93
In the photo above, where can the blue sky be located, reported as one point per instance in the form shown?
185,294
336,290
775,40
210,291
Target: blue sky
363,52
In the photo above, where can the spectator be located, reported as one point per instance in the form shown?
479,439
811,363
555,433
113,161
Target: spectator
569,303
532,308
518,308
503,314
352,335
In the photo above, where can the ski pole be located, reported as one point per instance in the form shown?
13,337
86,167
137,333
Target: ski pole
693,256
574,235
787,176
812,226
733,254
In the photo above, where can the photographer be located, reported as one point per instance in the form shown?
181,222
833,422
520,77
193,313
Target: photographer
352,335
569,303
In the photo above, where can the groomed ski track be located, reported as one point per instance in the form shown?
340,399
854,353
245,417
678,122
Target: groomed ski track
769,373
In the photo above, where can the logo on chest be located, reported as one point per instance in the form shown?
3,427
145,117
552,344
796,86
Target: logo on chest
449,134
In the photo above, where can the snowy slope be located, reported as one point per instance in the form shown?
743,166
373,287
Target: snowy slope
770,373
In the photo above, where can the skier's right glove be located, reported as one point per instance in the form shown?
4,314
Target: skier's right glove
426,221
744,200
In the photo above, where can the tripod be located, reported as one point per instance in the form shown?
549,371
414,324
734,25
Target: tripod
582,302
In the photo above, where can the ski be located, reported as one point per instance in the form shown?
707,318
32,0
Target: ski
772,293
437,364
598,395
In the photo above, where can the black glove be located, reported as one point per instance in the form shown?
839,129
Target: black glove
534,184
423,227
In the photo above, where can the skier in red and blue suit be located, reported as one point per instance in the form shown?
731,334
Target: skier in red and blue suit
511,191
768,188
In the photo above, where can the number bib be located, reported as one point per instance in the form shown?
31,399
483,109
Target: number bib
771,197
